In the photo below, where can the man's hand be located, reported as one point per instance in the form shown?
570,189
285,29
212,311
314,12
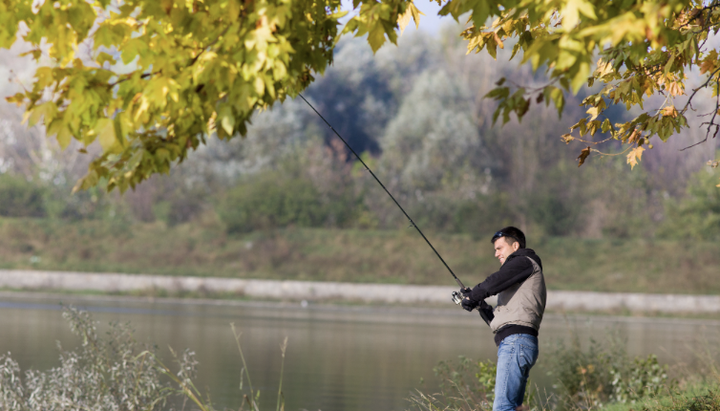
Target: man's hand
466,291
468,304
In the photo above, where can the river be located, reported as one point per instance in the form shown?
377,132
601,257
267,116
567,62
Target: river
339,357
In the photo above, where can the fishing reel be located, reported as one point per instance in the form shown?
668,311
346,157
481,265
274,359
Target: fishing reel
457,297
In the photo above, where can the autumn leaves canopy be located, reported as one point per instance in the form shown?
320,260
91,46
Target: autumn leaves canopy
150,80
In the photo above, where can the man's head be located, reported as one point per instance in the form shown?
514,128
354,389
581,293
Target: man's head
507,241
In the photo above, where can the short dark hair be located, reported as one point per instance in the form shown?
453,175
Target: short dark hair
512,235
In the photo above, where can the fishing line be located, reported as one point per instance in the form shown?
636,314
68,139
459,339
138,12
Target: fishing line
386,190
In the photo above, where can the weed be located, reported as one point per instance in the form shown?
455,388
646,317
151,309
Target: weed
115,373
467,385
604,374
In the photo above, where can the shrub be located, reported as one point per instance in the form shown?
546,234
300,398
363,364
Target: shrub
90,204
271,200
640,379
555,203
604,374
20,198
484,215
697,215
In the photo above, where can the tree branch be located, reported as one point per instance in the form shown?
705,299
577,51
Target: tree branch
710,124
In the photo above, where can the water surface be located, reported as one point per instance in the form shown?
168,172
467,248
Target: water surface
338,357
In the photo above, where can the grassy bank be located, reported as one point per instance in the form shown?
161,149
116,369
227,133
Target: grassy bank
703,397
204,249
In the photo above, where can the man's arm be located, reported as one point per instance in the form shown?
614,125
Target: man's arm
515,270
486,312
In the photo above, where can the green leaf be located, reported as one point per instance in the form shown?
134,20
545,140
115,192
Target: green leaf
133,48
117,126
106,134
376,38
103,57
498,93
64,137
227,121
43,77
581,76
606,126
47,110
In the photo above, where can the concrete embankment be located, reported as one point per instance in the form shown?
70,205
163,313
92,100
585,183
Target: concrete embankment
319,291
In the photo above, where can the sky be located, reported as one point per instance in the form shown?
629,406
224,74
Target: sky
430,22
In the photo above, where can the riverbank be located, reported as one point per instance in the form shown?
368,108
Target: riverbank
204,249
315,291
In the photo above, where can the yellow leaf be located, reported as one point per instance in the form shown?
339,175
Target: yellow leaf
594,112
416,15
603,69
669,111
634,156
411,12
404,19
570,15
259,86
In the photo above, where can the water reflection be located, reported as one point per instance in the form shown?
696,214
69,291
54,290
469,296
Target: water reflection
338,357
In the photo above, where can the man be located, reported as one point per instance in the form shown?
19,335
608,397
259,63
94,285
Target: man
520,287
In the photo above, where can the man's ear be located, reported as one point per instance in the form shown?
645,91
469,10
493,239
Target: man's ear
516,246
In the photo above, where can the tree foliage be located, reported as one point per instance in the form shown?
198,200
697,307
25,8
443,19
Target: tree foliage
640,48
151,80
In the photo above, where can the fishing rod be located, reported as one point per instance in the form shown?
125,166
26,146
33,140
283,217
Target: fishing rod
457,298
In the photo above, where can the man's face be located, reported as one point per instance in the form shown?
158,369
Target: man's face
503,249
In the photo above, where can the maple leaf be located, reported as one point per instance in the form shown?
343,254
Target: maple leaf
674,88
709,63
634,156
411,13
669,111
594,112
603,68
567,138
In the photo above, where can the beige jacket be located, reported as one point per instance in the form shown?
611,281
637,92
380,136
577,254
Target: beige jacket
523,303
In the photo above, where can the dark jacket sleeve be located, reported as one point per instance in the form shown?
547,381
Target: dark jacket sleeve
516,269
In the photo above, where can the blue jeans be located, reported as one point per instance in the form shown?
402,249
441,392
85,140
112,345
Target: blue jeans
516,355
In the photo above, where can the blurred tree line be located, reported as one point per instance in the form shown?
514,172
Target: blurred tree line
418,115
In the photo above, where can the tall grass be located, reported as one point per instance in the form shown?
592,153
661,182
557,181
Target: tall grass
114,373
